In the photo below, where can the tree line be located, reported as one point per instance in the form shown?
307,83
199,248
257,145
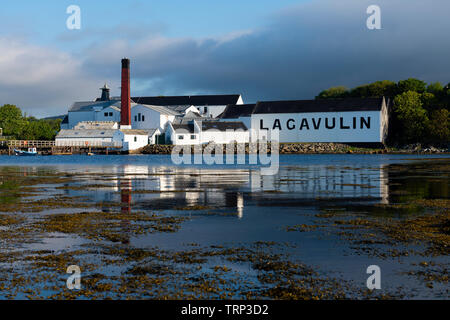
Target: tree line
17,125
420,112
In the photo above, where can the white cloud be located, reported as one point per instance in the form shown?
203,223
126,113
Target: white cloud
301,50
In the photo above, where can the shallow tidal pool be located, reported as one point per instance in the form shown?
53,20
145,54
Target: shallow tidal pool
141,228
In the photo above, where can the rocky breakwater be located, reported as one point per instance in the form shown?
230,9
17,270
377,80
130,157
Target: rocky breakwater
285,148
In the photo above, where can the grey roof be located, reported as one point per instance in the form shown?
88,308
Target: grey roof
160,109
136,132
192,115
234,111
180,109
197,100
185,127
323,105
96,125
83,106
85,133
151,132
223,126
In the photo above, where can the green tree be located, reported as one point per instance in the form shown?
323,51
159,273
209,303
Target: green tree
41,130
435,88
11,120
411,84
374,90
333,93
413,117
429,101
439,126
362,91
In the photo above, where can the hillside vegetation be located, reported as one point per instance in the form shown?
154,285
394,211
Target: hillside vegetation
420,111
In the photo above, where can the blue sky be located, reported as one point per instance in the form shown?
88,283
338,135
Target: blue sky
44,21
264,50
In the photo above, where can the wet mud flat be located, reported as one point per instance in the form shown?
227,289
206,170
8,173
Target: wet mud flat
180,233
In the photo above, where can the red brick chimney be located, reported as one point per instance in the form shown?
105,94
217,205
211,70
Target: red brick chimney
125,110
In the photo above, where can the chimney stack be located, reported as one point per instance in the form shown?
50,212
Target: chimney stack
125,110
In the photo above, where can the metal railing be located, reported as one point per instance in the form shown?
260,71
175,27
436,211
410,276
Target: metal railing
87,144
30,143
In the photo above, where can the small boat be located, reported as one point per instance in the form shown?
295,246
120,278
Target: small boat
30,152
91,154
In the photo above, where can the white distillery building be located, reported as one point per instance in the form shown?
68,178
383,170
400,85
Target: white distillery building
238,113
142,116
350,120
203,132
102,134
209,106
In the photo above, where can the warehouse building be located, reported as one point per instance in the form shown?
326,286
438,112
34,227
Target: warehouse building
102,134
204,118
209,106
203,132
350,120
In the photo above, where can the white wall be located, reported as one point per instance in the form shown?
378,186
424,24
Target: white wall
186,140
92,141
192,109
217,136
100,115
212,111
129,142
152,118
321,134
174,137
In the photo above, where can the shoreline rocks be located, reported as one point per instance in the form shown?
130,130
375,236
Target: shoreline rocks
310,148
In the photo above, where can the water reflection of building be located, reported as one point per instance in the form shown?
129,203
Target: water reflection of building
325,182
160,188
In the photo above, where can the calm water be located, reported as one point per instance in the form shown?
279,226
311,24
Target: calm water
245,207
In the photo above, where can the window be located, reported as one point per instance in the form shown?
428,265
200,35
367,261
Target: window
106,114
135,138
110,114
193,136
143,118
135,118
139,117
205,109
180,137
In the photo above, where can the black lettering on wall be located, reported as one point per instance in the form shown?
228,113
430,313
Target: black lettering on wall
342,124
276,124
327,124
365,122
316,125
304,124
354,122
290,127
261,125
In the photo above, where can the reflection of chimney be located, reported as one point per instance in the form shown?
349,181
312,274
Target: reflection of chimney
125,195
125,110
